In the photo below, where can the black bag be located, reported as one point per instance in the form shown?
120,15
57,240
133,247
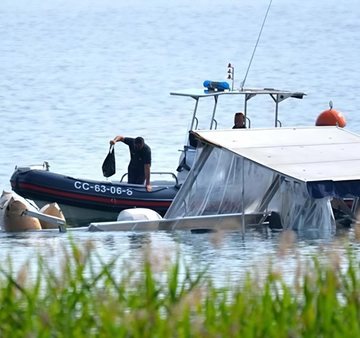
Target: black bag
108,167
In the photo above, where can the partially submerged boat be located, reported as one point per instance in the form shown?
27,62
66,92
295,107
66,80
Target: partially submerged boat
295,172
298,178
245,177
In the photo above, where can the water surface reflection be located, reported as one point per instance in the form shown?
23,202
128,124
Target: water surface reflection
226,255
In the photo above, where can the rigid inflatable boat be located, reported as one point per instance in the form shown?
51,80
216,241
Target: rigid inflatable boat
83,201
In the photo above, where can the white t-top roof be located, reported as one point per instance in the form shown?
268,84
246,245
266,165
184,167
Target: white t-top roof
203,92
303,153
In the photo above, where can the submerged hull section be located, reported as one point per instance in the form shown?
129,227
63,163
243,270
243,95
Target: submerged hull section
84,201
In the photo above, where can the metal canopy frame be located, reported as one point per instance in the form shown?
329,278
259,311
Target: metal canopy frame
277,96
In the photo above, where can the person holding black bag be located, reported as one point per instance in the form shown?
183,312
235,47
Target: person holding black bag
140,160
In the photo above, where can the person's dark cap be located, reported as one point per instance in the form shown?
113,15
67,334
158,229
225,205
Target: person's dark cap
139,140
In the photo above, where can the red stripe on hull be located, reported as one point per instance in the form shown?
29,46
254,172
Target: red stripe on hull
106,200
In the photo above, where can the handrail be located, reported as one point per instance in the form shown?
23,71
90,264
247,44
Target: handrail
158,173
197,122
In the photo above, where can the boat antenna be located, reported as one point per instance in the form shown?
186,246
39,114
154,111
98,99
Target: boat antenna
252,56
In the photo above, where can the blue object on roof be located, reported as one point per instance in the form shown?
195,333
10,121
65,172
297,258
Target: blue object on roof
216,86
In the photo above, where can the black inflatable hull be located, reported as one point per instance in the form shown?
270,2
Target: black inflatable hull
83,201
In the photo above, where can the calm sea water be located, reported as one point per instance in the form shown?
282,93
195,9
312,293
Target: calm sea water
74,75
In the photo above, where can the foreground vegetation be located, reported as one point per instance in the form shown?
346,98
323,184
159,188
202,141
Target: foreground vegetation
157,300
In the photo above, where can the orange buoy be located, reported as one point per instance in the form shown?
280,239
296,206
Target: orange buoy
331,117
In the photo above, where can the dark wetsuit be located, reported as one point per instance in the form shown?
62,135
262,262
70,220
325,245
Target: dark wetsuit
136,171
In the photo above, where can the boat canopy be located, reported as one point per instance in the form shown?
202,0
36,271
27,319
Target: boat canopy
293,171
306,154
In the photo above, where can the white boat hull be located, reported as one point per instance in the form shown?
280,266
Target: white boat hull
211,222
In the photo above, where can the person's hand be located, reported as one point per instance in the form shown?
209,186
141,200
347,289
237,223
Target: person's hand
112,142
148,188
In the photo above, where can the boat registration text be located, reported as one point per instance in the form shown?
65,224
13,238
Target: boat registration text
102,188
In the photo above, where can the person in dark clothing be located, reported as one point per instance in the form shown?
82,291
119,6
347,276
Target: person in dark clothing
239,121
140,160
